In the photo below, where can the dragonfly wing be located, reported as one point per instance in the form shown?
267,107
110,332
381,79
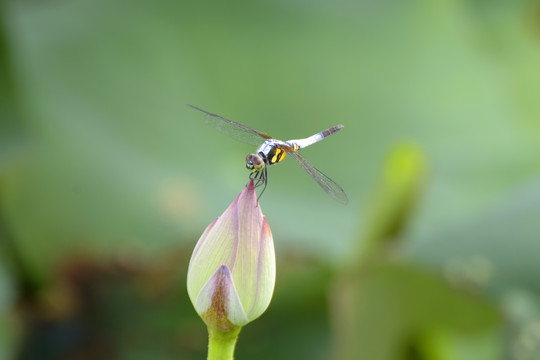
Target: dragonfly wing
333,189
233,129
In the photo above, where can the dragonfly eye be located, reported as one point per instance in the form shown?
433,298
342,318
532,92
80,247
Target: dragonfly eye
254,163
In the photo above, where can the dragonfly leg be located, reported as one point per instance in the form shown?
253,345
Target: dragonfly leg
257,177
260,178
264,179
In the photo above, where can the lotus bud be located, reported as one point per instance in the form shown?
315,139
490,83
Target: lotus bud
232,270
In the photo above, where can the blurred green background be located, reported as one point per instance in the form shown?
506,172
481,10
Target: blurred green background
107,178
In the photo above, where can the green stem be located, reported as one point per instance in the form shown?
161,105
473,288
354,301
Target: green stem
221,345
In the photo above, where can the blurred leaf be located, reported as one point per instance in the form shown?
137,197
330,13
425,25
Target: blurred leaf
9,330
451,345
522,312
496,251
395,199
385,311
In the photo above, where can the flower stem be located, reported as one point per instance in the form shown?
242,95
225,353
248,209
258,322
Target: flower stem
221,344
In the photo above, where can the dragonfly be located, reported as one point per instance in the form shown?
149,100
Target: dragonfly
271,151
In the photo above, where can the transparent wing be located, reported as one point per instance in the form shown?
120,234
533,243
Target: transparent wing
333,189
235,130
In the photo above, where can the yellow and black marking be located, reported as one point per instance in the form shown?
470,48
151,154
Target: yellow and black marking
275,155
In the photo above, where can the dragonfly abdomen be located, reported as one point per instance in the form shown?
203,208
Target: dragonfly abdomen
332,130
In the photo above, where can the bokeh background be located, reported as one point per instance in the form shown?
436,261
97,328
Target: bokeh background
107,178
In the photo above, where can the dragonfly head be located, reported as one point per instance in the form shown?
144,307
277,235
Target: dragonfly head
254,163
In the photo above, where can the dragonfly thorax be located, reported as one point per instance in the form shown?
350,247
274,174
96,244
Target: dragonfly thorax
273,151
269,153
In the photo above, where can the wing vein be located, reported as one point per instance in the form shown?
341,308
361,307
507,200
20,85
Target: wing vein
233,129
328,185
